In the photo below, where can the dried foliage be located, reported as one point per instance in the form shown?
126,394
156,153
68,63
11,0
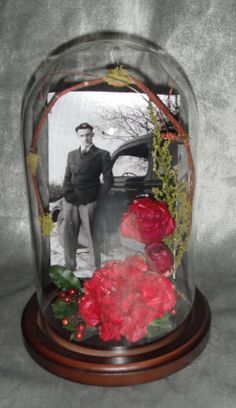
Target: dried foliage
176,195
32,162
118,77
46,224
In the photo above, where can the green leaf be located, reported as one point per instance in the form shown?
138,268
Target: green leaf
70,327
63,278
159,326
61,309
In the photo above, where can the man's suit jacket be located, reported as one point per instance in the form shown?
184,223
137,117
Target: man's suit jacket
82,177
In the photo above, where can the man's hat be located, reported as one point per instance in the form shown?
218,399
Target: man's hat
84,125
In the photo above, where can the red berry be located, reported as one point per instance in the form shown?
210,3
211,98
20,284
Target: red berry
67,299
79,335
66,321
72,292
62,295
81,327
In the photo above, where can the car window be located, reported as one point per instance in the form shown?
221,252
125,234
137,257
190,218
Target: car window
130,166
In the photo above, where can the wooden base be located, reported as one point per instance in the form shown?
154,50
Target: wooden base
116,366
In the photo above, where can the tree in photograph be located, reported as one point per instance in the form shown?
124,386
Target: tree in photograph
133,122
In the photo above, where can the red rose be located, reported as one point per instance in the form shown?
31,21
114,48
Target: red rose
159,258
123,298
147,220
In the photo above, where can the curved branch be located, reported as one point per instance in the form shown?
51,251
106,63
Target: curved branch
55,98
157,101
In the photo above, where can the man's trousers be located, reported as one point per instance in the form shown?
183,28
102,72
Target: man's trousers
73,218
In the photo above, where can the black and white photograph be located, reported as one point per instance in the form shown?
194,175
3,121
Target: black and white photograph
100,146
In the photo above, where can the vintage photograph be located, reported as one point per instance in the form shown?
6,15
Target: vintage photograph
100,159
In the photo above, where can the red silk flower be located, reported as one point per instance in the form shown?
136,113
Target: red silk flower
124,297
147,220
159,258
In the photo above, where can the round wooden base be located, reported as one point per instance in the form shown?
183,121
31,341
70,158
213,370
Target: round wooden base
116,366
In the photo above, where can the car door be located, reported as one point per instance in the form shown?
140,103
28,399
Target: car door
132,177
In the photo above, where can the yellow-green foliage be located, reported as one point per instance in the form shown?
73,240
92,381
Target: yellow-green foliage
174,194
46,224
32,162
162,167
117,77
178,242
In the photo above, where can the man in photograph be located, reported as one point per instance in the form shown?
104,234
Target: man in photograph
82,190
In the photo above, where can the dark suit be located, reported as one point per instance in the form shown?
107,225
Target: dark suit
82,177
82,189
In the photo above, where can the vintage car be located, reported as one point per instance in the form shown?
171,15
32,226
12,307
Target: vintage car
133,177
132,166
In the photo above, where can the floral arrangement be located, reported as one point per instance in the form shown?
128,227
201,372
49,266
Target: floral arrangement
124,298
129,299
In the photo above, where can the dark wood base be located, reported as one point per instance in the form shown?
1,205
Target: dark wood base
116,366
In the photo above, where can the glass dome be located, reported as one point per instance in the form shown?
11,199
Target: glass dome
109,127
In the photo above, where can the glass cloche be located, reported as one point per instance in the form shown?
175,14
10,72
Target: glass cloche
110,127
